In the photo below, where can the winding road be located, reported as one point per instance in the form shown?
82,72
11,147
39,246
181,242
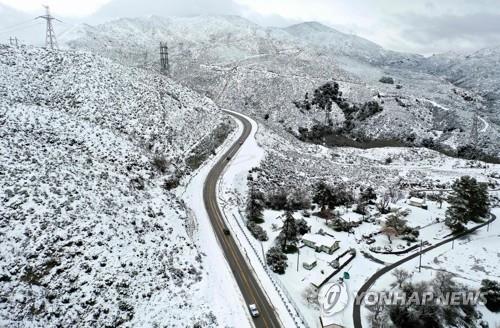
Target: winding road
250,289
356,313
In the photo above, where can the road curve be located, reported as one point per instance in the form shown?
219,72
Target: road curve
250,289
356,313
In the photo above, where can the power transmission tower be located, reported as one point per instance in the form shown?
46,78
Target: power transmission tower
165,65
14,41
474,134
50,35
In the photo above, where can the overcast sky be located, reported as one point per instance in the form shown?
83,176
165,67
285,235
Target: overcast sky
420,26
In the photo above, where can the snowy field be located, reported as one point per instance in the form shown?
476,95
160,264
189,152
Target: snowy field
469,259
366,167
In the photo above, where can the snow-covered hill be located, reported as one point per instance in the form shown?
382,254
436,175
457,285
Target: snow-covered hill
479,71
341,44
90,235
262,71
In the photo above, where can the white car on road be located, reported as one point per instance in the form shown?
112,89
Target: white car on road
253,310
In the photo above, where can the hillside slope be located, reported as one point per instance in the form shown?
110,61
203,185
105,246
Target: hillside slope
263,71
89,235
479,71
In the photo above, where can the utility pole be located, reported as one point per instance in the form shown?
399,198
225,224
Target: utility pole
50,35
420,258
298,256
165,65
263,254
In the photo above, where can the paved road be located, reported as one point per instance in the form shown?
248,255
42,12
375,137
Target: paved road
356,313
250,289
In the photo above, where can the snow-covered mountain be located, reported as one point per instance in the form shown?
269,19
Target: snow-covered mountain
263,71
479,71
341,44
91,233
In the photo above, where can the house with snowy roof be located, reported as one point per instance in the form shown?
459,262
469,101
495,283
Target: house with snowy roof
320,243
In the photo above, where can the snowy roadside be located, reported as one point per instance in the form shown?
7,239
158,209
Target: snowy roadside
231,190
219,288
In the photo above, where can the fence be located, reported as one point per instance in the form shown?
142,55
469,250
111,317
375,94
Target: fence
278,286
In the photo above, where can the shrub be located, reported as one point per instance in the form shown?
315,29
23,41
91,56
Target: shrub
276,260
277,200
171,182
257,231
160,163
386,79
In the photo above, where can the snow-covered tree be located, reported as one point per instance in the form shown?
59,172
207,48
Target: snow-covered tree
257,231
302,226
401,276
255,206
276,260
298,200
491,289
389,232
322,195
468,202
288,235
383,203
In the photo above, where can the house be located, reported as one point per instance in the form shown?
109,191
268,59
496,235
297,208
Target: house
417,202
309,265
320,243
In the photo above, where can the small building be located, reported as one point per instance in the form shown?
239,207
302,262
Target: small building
309,265
320,243
417,202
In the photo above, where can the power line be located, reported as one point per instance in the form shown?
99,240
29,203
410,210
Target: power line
16,25
50,35
19,27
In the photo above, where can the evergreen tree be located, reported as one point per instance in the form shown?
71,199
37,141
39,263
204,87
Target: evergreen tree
467,202
298,200
367,195
491,289
289,232
255,206
322,195
302,227
276,260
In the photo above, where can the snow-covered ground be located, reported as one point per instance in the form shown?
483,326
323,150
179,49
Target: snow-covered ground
219,289
285,165
469,259
90,235
232,188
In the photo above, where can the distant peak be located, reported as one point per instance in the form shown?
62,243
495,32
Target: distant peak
312,25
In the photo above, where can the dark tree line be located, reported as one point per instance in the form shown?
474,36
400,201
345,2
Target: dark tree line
329,197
